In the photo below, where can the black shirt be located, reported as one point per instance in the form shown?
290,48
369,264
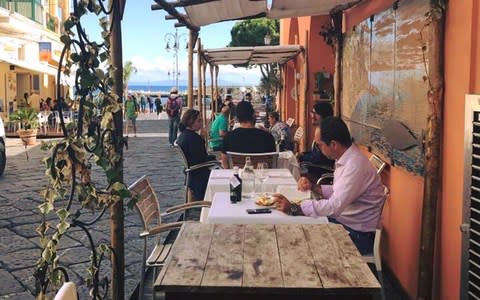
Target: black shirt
248,140
193,146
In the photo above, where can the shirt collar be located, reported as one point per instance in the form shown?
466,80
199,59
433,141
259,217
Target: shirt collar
345,156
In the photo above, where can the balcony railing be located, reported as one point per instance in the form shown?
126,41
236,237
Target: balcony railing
31,9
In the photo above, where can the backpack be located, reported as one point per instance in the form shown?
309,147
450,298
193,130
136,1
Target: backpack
172,107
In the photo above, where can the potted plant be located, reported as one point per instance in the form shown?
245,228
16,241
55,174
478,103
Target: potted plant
28,119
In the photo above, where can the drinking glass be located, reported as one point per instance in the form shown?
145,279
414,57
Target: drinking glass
261,175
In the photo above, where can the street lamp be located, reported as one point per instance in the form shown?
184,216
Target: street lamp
174,39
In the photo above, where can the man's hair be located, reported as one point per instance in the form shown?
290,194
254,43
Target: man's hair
334,129
188,118
323,109
245,111
225,110
248,95
274,115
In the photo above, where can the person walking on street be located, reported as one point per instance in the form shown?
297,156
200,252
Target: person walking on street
158,106
174,106
131,112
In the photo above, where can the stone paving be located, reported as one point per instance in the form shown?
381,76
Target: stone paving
147,154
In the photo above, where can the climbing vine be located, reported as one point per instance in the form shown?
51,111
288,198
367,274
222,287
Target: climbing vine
90,140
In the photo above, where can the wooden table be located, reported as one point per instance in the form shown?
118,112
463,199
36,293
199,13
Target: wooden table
224,261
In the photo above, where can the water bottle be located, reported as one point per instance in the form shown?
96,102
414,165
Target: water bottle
235,187
248,179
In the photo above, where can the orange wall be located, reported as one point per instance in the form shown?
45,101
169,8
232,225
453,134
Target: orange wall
320,58
462,76
402,215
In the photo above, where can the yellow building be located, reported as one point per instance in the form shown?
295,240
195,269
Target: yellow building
30,50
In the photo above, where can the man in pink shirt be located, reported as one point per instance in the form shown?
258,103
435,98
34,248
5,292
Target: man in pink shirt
356,197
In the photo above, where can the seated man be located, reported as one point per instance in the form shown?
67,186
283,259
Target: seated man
280,131
315,156
219,129
246,138
356,197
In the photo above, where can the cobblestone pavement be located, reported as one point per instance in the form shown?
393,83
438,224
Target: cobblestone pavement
147,154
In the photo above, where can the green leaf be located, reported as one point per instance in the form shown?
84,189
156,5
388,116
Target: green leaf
62,214
62,227
45,207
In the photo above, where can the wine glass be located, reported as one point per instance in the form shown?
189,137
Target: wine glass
261,175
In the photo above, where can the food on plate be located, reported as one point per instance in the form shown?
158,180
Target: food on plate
264,200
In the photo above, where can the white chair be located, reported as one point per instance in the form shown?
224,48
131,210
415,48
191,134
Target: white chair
43,120
67,118
290,122
237,159
297,138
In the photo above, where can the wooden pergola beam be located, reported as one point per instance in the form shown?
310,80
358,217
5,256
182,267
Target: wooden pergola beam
170,9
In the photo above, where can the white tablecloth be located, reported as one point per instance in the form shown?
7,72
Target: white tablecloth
224,212
219,182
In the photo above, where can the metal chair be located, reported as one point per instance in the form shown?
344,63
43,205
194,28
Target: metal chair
237,159
307,166
187,169
376,161
148,207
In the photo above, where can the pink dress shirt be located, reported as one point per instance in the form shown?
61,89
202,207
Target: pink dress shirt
356,197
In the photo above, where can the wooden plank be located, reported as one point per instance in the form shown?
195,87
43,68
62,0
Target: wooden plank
298,267
189,256
358,268
225,259
261,262
337,262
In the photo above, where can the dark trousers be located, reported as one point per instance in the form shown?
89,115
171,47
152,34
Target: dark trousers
363,240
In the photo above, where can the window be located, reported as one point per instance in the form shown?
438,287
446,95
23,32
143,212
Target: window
35,83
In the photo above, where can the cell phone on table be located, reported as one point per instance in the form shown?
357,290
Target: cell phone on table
259,211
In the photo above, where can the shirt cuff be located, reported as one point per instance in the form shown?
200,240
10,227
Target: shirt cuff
307,208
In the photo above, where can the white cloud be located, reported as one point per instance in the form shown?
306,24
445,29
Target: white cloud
157,70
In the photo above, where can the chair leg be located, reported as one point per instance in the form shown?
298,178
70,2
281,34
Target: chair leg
380,279
142,274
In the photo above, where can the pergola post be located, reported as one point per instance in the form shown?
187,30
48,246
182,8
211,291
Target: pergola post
199,70
191,43
213,103
204,91
304,102
337,79
116,211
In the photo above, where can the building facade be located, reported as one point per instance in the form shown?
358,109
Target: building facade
30,50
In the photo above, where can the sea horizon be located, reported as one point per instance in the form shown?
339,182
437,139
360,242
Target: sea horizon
164,88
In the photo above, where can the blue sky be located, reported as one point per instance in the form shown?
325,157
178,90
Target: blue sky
143,37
